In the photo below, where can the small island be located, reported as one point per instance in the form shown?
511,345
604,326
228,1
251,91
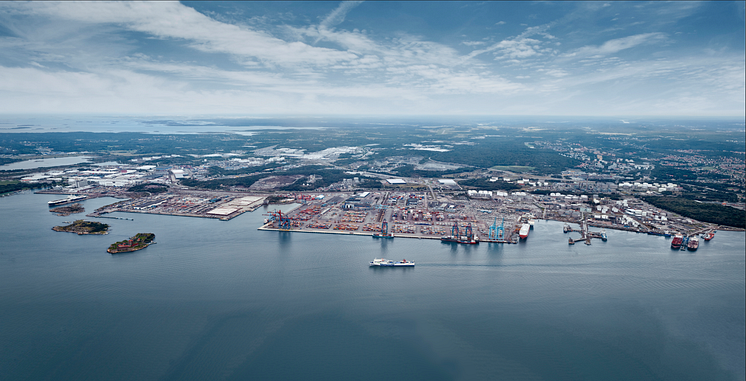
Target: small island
65,211
84,227
138,242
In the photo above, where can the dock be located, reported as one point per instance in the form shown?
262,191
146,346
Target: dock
585,234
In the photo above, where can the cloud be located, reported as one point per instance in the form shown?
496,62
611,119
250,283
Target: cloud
617,45
338,15
521,46
335,18
166,20
167,57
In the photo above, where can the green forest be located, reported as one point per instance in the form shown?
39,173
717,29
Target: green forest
707,212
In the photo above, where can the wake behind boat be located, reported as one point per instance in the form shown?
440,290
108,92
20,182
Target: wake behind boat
383,262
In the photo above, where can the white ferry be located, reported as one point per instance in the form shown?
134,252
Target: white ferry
383,262
70,199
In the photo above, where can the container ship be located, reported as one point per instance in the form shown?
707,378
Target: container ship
68,200
677,240
523,233
693,243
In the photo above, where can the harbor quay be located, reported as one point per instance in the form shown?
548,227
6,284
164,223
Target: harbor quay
188,203
409,214
425,215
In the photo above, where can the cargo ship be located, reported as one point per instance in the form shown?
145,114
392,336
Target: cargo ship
523,233
677,240
693,243
383,262
70,199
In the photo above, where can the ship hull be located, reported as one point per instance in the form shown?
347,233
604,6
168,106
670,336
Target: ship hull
68,200
676,242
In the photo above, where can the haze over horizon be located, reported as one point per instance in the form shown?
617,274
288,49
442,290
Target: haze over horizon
374,58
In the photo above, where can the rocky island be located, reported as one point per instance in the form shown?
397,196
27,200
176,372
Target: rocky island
138,242
83,227
68,210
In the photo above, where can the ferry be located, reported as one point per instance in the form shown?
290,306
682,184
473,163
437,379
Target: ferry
70,199
383,262
523,233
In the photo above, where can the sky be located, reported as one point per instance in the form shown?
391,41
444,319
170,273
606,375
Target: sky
373,58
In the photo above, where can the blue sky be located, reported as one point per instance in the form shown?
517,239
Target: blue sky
373,58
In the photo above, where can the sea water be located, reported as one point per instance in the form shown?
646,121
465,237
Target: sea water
221,300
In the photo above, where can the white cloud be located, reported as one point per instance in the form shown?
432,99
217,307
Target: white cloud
338,15
617,45
168,20
79,57
521,46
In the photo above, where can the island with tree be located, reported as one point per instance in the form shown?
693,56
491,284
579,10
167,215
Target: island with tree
138,242
65,211
84,227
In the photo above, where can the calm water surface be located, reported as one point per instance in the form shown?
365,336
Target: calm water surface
44,163
221,300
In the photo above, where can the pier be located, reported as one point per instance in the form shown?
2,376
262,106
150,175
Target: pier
585,234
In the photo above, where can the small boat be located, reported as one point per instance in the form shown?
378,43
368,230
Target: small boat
383,262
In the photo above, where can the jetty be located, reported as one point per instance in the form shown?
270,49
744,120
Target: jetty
585,234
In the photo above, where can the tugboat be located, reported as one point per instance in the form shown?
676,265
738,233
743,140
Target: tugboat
710,235
677,240
693,243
